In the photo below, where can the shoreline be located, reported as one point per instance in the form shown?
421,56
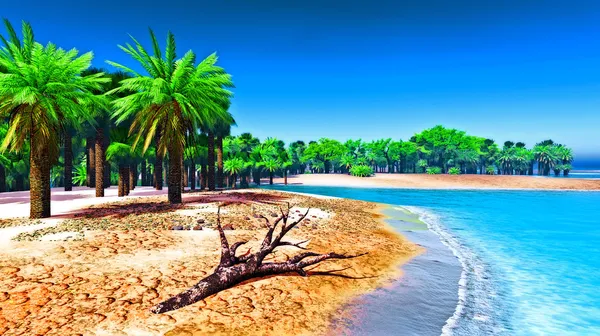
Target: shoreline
445,182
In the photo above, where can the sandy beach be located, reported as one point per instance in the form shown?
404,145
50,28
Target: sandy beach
425,181
122,257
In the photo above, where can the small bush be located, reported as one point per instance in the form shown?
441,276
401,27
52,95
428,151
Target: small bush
361,171
434,170
307,172
421,166
454,171
490,170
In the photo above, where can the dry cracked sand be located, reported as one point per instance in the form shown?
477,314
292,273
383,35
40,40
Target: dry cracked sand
126,260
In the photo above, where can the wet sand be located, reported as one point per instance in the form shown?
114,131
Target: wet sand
445,181
123,259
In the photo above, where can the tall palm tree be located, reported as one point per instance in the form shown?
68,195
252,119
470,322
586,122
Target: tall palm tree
271,165
176,94
222,129
40,91
101,137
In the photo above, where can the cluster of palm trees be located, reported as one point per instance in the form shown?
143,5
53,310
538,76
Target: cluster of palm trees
48,95
437,149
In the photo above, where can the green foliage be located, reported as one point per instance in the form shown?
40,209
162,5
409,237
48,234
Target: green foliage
490,170
361,171
233,166
434,170
174,98
454,171
49,79
80,174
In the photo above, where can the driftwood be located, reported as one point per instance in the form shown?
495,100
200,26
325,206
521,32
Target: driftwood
233,270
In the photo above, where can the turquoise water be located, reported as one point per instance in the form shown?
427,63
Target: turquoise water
530,259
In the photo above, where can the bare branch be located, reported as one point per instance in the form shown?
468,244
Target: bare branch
226,259
285,243
235,246
286,229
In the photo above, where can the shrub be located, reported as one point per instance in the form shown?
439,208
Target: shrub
490,170
454,171
434,170
361,171
421,165
307,172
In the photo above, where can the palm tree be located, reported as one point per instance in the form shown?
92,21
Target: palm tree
346,161
102,140
222,129
546,157
565,154
122,152
234,167
505,159
177,95
271,165
285,165
42,89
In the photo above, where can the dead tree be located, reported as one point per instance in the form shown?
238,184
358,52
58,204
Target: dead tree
233,270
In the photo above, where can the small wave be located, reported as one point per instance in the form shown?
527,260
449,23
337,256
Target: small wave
476,311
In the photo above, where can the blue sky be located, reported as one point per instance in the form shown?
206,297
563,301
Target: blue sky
508,70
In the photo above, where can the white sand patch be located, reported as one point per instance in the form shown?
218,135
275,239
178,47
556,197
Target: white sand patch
313,213
7,234
61,236
307,194
198,209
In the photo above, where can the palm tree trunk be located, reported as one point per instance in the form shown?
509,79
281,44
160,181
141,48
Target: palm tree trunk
121,181
158,172
285,176
100,159
39,177
256,176
105,145
174,179
2,179
220,174
203,177
92,160
144,173
234,180
211,161
270,177
88,144
183,175
186,175
68,166
127,180
192,175
132,173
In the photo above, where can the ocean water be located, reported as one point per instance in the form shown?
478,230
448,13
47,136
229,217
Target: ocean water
583,174
497,263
